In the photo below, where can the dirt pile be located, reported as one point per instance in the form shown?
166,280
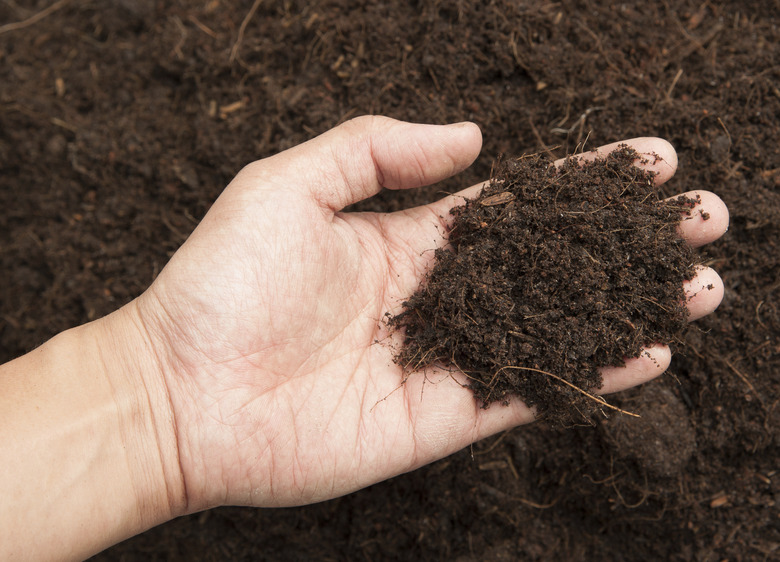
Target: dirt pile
549,275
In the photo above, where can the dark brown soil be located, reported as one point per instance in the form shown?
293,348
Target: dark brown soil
550,274
121,121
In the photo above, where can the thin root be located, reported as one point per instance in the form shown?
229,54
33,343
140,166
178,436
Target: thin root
598,399
242,30
33,19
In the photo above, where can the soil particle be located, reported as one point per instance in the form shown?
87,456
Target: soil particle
551,274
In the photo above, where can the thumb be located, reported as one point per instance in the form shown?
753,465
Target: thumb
360,157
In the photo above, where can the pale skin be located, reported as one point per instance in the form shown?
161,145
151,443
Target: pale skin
248,373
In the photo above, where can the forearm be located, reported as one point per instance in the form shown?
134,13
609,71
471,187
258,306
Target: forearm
81,462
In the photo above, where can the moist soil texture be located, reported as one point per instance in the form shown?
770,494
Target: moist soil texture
121,121
549,274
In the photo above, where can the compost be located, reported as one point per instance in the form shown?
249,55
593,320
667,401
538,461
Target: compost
550,274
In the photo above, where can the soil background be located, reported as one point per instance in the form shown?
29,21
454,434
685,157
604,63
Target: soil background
122,120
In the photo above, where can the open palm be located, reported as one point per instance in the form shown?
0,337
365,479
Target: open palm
266,320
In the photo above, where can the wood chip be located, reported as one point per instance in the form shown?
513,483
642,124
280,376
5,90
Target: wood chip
498,199
720,500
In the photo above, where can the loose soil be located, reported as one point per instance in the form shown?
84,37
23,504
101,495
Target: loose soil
549,275
121,121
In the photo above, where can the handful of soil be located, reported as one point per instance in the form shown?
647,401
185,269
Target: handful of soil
552,273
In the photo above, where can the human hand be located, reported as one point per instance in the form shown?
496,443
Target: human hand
259,336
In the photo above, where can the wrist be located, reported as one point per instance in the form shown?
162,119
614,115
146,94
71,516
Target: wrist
88,452
126,356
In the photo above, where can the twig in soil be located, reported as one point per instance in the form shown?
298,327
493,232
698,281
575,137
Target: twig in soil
725,130
600,47
493,446
645,494
204,28
574,386
539,139
758,317
580,122
33,19
511,466
655,302
242,29
743,377
673,84
529,503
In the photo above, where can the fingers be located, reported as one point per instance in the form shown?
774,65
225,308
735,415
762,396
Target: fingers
652,362
703,293
708,220
358,158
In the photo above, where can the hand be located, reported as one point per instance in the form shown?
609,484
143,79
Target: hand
259,335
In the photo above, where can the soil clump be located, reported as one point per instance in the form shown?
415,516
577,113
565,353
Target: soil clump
550,274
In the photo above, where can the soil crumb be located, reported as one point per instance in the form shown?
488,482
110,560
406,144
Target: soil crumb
550,274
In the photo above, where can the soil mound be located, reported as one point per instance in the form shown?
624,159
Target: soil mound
552,273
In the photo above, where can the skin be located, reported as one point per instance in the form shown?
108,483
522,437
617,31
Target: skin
247,374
